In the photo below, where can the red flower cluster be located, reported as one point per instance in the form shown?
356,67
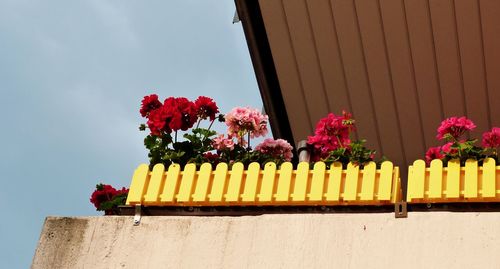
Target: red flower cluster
332,132
149,103
492,139
175,113
206,108
455,127
105,193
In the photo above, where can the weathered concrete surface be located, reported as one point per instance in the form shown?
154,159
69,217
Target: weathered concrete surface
377,240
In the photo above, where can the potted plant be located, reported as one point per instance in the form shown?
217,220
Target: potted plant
225,170
198,168
459,170
353,177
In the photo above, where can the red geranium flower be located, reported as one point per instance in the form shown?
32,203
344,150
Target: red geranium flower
433,153
332,132
184,115
159,120
206,108
212,157
149,103
492,139
455,127
102,194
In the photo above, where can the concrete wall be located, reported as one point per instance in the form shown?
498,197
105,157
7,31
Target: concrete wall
376,240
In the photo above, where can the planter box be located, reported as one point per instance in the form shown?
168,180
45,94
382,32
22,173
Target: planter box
454,183
268,186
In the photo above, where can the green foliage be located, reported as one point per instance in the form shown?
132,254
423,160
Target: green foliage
117,200
464,150
356,153
163,150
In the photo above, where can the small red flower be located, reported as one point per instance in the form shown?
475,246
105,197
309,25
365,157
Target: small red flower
446,149
149,103
212,157
102,194
433,153
491,139
206,108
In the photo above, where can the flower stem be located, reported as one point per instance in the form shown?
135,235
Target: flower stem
175,136
210,126
340,142
198,123
248,148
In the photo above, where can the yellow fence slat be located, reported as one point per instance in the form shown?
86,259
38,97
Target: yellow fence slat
334,182
301,178
351,182
397,193
138,185
233,189
489,178
470,181
436,179
219,183
204,175
186,183
416,178
267,186
171,181
154,186
368,181
251,181
385,181
453,179
317,182
284,180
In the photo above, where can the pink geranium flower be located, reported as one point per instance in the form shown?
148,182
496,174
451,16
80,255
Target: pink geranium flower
455,127
223,143
446,149
491,139
332,132
432,154
276,148
244,120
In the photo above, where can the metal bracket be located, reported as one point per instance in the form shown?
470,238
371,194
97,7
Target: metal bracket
401,209
137,216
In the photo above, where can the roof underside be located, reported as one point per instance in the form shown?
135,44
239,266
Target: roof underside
400,66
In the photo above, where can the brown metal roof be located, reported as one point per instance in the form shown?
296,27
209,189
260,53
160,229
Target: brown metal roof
400,66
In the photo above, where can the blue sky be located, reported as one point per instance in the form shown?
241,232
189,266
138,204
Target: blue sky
72,75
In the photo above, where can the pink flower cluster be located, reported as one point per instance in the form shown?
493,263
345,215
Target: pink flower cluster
454,126
491,139
243,120
276,148
332,132
223,143
452,129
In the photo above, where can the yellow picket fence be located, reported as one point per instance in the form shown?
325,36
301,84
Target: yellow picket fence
454,183
268,186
